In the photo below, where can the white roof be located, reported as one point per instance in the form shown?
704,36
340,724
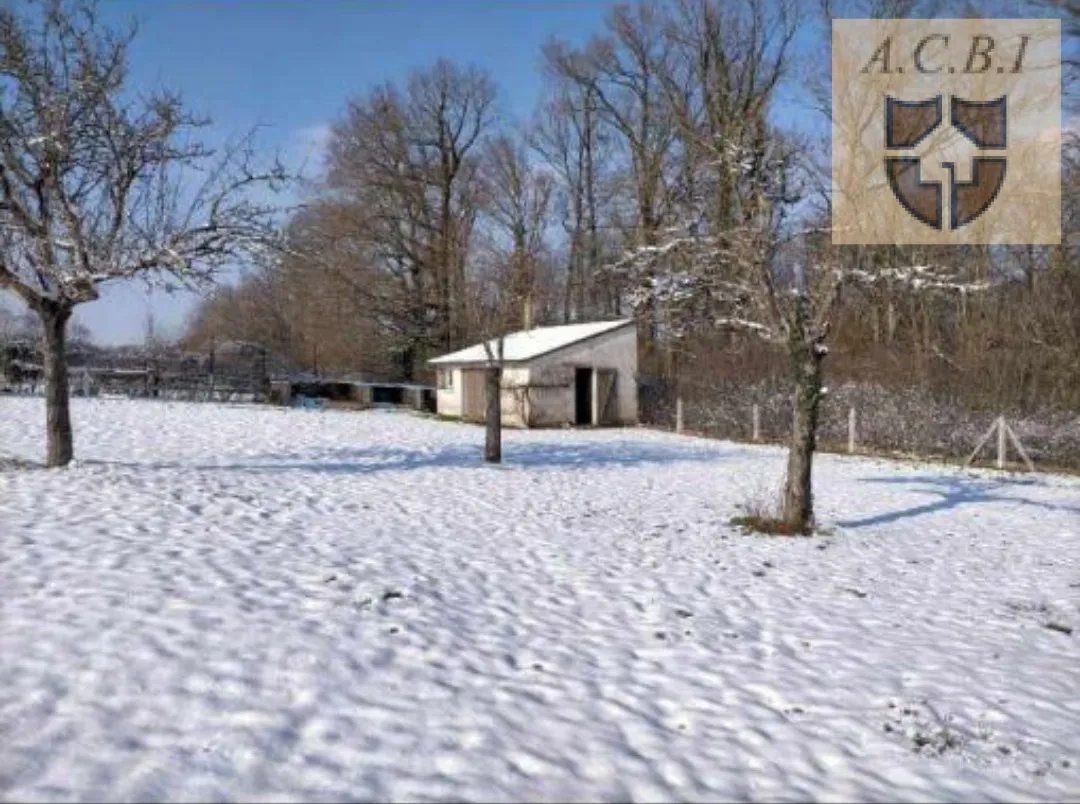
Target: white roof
531,343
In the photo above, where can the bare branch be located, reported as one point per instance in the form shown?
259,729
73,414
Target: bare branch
95,185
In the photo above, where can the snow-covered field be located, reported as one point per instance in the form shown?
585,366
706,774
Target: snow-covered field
223,603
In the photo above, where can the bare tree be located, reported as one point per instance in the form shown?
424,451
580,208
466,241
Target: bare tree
9,330
738,259
723,68
400,202
449,112
96,186
727,265
330,295
576,147
372,273
492,312
518,201
621,73
374,228
493,374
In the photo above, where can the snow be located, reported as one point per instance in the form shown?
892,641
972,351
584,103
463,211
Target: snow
532,343
246,603
742,323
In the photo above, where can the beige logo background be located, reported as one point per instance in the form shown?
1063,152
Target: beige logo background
918,60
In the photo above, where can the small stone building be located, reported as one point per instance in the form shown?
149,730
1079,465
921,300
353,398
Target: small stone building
576,374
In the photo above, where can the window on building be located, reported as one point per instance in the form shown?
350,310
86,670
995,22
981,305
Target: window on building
446,380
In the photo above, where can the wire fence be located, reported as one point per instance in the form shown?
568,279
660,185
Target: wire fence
230,372
863,417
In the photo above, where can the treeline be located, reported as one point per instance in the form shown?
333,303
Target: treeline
438,221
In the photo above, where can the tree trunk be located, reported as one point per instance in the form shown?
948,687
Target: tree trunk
58,434
572,291
798,513
407,362
493,414
587,196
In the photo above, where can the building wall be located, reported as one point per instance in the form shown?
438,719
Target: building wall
515,400
448,400
541,394
616,350
549,399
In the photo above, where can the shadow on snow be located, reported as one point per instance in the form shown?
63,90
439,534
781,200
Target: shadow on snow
459,456
952,493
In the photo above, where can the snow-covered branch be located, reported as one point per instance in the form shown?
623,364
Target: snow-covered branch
915,277
95,186
741,324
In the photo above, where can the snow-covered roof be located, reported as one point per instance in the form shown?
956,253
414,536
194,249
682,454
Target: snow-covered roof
532,343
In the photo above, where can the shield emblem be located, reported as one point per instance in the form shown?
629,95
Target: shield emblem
908,123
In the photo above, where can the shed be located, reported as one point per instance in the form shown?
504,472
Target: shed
575,374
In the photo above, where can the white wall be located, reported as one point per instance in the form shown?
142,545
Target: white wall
448,400
549,404
616,350
514,401
553,405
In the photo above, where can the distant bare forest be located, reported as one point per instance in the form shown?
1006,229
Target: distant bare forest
432,206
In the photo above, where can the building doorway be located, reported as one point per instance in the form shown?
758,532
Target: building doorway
583,396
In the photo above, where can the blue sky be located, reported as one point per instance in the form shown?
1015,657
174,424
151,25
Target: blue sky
290,65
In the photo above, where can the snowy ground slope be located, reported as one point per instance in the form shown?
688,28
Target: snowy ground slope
242,603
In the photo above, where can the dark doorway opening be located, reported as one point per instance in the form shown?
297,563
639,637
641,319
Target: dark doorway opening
387,395
583,396
427,400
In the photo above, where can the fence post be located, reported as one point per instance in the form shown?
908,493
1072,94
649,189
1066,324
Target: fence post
1019,447
756,414
264,382
213,351
678,415
982,443
851,429
1001,442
